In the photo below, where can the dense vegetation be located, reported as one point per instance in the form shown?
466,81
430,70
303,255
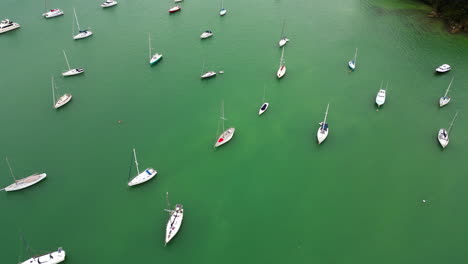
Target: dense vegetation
455,12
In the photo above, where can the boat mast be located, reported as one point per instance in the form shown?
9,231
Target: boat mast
222,112
451,124
282,55
66,59
11,171
326,114
222,4
45,5
446,92
355,57
282,30
136,162
76,17
53,91
264,91
149,44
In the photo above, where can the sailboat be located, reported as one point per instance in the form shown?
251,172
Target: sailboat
63,100
23,183
445,99
265,105
71,71
153,58
109,3
282,69
81,33
51,13
352,63
380,98
145,176
227,135
223,11
206,34
176,217
207,74
48,258
283,39
443,135
322,132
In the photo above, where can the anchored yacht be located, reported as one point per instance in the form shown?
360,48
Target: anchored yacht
443,137
209,74
443,68
24,182
174,9
7,25
53,13
206,34
109,3
143,177
49,258
174,222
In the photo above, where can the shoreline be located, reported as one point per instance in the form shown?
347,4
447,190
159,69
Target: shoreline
454,14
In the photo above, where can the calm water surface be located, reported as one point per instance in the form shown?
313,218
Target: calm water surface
271,195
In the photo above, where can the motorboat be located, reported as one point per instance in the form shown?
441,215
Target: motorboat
225,137
206,34
72,72
322,132
263,108
443,137
109,3
49,258
143,177
380,98
281,71
283,41
53,13
443,68
174,222
209,74
7,25
174,9
83,34
156,57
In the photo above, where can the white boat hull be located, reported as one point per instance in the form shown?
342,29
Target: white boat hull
174,223
443,138
263,108
444,100
63,100
49,258
72,72
109,4
208,74
322,134
156,57
222,12
225,137
205,35
283,42
83,35
12,27
443,68
26,182
52,14
352,65
143,177
281,72
380,99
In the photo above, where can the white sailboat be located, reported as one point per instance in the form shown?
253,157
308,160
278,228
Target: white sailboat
445,99
283,39
227,135
443,135
145,176
23,183
109,3
81,33
223,10
153,58
207,74
206,34
322,132
381,95
49,258
265,104
352,63
71,71
282,68
62,100
176,217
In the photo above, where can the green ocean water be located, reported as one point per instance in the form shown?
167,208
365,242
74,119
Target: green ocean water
272,194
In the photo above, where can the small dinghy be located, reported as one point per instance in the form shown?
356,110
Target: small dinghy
282,69
322,132
443,68
352,63
143,177
109,3
206,34
445,99
227,135
174,9
49,258
443,135
53,13
175,221
24,182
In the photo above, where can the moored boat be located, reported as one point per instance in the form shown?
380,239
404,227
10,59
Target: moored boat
62,100
206,34
53,13
208,74
153,58
7,25
322,132
142,177
24,182
445,99
443,68
174,9
109,3
81,33
227,135
283,40
352,63
174,223
443,135
49,258
71,72
282,69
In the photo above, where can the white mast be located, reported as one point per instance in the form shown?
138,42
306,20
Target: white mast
53,91
136,162
282,30
446,92
355,57
222,4
203,67
76,17
222,112
451,124
282,55
326,114
66,59
149,44
11,171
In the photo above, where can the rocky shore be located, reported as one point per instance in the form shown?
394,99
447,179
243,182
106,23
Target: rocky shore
453,12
